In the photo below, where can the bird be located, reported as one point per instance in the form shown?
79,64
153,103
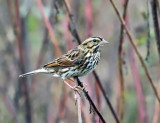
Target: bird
77,62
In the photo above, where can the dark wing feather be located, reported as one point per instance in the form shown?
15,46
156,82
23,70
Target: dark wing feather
73,57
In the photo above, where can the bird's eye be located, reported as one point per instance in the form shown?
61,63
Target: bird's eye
94,40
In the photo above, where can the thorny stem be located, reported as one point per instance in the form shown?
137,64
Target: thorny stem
105,96
90,100
75,34
136,50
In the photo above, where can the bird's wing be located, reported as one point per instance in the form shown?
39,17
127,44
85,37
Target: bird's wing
73,57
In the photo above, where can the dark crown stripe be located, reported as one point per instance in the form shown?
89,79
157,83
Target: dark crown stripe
98,38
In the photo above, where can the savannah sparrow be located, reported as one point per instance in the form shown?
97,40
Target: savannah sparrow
76,62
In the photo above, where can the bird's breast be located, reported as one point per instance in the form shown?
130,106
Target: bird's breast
89,64
91,61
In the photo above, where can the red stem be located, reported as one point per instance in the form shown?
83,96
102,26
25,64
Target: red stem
120,105
142,113
49,27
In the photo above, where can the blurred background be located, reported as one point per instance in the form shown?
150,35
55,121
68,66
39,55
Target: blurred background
28,41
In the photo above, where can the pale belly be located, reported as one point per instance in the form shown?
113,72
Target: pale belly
87,67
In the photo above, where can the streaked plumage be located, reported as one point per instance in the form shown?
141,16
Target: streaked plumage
76,62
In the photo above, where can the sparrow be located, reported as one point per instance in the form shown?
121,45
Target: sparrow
77,62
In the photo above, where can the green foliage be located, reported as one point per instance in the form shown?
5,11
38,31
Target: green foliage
32,23
142,40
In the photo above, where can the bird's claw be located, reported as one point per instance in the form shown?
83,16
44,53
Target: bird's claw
82,86
76,89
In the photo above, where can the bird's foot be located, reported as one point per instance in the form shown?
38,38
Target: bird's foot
79,87
82,86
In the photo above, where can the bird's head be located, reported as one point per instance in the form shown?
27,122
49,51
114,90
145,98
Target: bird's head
93,44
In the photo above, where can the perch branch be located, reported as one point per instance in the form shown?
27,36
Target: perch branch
90,100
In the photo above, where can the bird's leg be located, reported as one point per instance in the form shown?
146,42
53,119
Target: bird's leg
82,86
75,88
71,80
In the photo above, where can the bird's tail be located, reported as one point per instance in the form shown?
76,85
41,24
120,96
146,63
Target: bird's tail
34,72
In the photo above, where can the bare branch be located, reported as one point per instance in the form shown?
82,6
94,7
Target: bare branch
156,25
90,100
120,59
136,50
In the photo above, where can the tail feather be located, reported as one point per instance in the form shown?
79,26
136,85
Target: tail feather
34,72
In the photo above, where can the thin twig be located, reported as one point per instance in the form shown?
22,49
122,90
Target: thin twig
72,23
90,100
156,25
105,96
22,82
79,109
148,32
120,59
85,114
45,38
78,102
155,8
158,6
157,105
49,27
136,50
89,27
75,34
44,45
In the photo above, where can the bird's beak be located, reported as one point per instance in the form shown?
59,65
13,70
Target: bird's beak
103,42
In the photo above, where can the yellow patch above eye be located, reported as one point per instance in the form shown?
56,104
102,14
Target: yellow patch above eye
90,45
